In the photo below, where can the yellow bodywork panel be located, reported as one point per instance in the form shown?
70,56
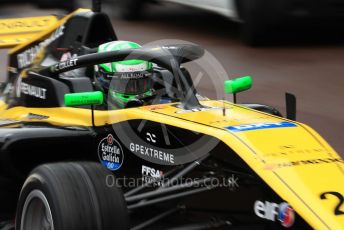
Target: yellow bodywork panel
22,30
294,161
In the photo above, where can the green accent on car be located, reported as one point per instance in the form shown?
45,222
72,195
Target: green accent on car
238,85
86,98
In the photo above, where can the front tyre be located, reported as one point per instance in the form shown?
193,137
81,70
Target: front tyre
70,196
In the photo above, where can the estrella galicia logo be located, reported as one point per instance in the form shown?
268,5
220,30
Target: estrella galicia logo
248,127
286,215
110,153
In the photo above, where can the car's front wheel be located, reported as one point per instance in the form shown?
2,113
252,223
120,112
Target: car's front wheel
70,196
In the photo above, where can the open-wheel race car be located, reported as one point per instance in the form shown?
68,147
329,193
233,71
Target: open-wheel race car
168,160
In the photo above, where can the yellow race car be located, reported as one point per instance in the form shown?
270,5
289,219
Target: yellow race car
172,160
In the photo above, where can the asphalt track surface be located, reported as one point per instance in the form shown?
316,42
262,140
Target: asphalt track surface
307,61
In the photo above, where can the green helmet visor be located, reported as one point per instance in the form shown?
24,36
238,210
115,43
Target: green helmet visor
131,83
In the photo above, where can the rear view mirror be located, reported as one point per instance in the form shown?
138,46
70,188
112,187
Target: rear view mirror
238,85
86,98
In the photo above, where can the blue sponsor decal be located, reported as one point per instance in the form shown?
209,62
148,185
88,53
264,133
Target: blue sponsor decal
257,126
110,165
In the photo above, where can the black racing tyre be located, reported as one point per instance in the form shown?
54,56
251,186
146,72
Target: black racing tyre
70,196
254,14
130,9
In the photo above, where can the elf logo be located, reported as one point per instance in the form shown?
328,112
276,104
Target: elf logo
272,211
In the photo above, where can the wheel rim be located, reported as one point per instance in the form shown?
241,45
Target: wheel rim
36,212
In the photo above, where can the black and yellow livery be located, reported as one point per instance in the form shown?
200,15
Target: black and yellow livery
270,172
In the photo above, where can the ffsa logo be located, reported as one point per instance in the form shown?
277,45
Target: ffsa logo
151,175
272,211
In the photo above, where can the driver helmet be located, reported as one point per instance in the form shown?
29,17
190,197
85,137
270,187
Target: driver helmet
126,80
